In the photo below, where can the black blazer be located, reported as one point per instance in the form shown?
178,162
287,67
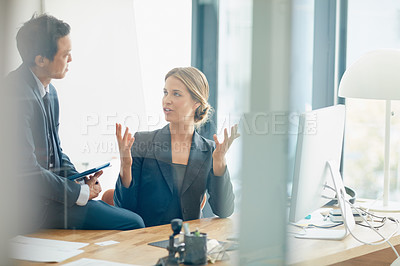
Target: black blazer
33,146
151,188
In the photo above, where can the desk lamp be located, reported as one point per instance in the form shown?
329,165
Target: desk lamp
376,75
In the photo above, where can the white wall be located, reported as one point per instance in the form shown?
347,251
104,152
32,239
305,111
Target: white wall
19,11
103,85
164,40
121,53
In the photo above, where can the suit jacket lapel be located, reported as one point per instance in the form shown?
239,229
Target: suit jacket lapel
197,158
32,84
162,152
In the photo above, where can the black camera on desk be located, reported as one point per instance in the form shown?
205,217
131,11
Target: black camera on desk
193,251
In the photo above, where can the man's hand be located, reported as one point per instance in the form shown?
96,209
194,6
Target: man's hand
94,185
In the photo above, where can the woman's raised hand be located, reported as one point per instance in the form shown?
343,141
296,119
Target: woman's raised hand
124,145
221,149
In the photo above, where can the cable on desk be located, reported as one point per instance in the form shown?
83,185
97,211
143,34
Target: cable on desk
382,220
385,239
316,226
366,211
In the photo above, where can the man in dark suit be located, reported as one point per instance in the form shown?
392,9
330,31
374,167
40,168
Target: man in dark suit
52,201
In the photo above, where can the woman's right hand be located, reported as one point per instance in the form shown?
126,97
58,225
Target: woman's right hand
124,145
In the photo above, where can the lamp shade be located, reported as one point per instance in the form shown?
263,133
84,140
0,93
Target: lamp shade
375,75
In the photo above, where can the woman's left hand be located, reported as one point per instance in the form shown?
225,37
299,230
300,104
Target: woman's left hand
221,149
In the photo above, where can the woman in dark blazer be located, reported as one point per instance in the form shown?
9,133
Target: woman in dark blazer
165,173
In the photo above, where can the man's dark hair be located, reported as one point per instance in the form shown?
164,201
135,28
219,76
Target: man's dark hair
39,36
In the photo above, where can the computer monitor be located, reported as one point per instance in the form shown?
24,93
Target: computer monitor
320,139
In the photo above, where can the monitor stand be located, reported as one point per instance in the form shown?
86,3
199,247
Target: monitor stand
348,221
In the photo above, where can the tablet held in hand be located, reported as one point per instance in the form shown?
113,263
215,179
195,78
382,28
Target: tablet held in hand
88,172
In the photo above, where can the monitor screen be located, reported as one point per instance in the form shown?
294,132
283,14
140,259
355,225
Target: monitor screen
319,140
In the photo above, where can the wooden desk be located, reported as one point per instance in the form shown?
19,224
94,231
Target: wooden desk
345,252
133,247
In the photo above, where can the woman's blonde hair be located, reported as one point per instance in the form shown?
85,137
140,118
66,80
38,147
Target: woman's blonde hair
197,85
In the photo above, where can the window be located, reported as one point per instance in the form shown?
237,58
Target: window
371,25
234,64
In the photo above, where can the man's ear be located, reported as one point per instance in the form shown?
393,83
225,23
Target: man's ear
196,105
40,61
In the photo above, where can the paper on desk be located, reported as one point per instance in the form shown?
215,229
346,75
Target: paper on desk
48,242
43,250
316,218
107,243
216,251
41,254
92,262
